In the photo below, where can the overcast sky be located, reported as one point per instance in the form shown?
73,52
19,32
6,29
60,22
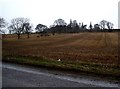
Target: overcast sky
47,11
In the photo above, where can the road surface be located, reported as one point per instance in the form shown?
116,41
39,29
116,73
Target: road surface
23,76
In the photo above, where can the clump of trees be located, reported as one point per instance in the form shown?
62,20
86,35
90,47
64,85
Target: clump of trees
41,29
23,26
106,25
20,26
60,26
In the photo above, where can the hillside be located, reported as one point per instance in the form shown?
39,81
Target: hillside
96,48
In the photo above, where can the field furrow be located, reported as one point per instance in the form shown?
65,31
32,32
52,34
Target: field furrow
92,47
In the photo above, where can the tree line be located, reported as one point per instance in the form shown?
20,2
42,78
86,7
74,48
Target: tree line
23,26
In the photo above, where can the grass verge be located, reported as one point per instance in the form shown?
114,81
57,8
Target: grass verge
92,68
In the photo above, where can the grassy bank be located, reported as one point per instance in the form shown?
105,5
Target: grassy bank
86,67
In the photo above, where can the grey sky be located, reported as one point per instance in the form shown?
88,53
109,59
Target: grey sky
119,15
47,11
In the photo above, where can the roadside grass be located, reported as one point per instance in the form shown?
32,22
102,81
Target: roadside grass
86,67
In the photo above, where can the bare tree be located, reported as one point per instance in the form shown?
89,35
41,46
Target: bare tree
106,25
103,24
2,24
27,28
110,25
17,25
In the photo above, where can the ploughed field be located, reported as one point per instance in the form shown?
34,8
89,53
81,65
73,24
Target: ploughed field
101,47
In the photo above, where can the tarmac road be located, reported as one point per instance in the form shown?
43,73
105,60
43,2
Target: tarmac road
23,76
